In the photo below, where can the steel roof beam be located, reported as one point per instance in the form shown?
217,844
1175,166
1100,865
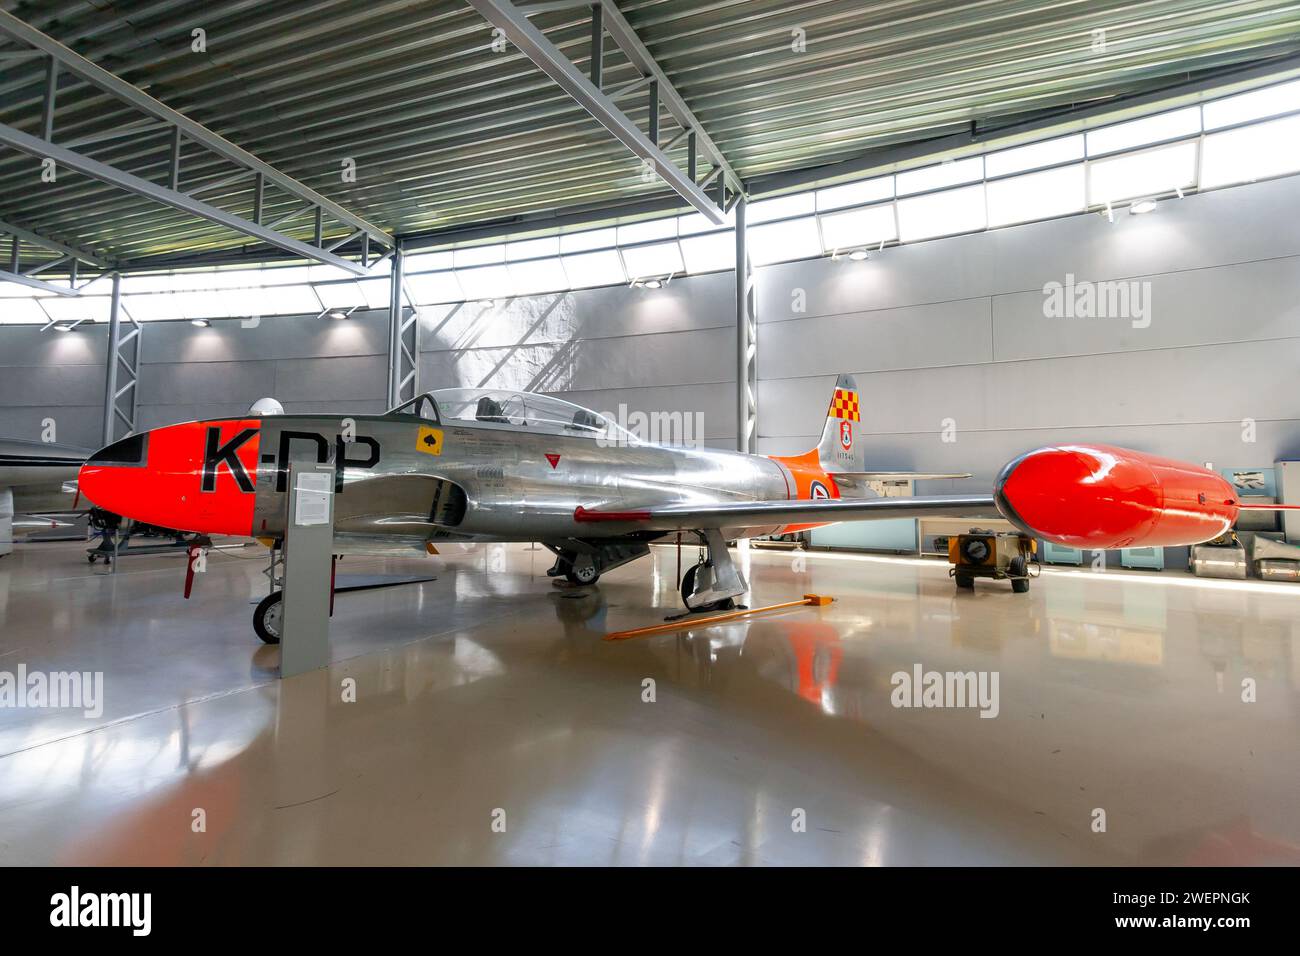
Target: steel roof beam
33,282
68,159
640,57
195,132
36,239
530,41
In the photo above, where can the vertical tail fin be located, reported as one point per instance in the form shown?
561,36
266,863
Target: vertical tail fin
839,449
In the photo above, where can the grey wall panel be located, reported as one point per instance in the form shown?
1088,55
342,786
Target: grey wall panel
339,407
702,302
1238,225
155,416
73,424
1240,302
671,358
1223,344
274,337
52,385
711,408
27,345
203,383
1148,389
923,336
341,378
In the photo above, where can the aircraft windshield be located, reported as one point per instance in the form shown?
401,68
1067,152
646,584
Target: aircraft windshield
526,409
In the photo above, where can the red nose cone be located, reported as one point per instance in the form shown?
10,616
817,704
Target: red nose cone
199,476
1098,497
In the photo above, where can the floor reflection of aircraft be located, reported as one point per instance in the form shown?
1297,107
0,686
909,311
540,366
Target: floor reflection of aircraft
1234,843
802,656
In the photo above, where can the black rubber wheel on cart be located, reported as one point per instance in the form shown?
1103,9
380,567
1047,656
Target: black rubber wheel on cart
1019,572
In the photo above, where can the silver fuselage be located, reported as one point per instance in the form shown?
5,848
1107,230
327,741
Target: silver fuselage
519,484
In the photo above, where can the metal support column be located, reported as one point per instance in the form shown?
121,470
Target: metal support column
110,370
746,343
123,357
403,339
597,47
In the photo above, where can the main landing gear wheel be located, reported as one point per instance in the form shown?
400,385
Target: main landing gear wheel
268,617
587,574
1018,570
688,588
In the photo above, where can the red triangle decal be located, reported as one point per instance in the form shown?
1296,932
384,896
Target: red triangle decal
553,459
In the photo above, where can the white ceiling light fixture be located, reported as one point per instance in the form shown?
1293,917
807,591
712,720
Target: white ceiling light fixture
652,282
1142,207
200,323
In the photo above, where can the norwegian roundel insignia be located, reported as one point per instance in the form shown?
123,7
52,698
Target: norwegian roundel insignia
818,491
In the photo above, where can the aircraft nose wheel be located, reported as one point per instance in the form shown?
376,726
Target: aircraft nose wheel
586,574
267,618
688,588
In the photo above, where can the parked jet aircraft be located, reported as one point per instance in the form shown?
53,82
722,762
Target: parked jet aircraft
501,465
36,480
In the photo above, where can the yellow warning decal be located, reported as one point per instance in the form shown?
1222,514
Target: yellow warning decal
429,440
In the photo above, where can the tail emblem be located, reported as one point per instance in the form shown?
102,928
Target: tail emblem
845,405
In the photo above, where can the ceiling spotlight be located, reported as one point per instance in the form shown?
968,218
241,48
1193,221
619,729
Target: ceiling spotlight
200,323
652,283
490,303
1142,206
65,327
857,255
337,314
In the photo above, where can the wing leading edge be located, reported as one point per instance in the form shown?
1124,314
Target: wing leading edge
761,514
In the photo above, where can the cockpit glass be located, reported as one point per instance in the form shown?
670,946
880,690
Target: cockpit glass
422,406
526,410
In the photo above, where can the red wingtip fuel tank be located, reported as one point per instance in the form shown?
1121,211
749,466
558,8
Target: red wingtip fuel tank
1099,497
199,476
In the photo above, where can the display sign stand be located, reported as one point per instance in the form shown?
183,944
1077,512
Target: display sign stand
308,550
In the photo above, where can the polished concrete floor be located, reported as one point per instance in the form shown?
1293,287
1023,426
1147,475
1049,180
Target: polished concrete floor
492,725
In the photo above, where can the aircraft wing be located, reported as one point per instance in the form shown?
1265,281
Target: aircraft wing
893,475
763,514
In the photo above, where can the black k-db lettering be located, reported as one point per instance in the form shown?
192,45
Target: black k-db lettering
286,438
341,459
216,453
